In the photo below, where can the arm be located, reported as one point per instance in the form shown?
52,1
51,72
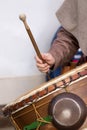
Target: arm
63,48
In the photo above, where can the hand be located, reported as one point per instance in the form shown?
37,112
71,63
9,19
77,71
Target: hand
49,61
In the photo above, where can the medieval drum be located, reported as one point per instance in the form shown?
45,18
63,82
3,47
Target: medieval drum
59,104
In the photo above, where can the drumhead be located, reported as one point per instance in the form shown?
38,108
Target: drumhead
68,111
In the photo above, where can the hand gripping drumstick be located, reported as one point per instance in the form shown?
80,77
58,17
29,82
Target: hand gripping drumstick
23,19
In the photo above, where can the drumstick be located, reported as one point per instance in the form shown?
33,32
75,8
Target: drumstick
23,19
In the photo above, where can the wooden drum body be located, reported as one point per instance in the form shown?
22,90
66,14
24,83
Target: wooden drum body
34,105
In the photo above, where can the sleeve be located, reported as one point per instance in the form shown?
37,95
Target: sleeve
63,47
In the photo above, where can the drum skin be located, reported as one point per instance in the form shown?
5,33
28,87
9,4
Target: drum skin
68,111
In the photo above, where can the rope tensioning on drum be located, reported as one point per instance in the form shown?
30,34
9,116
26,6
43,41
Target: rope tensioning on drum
39,118
34,125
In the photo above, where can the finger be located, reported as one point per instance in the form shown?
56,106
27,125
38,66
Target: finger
43,67
44,70
45,56
38,60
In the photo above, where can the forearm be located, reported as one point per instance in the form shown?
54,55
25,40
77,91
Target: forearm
63,48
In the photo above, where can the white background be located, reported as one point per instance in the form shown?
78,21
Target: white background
16,50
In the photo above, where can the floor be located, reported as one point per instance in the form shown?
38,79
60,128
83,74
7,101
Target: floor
5,123
7,128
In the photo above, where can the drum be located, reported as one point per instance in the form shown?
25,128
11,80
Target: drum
31,110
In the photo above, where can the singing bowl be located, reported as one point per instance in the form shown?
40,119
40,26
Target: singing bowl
68,111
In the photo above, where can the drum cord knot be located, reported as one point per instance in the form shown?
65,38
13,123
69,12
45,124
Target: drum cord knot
39,118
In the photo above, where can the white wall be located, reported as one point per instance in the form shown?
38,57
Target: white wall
16,50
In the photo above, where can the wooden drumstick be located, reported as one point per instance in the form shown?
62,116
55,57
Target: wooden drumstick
23,19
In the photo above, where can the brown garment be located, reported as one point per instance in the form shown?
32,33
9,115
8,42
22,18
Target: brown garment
73,17
64,47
